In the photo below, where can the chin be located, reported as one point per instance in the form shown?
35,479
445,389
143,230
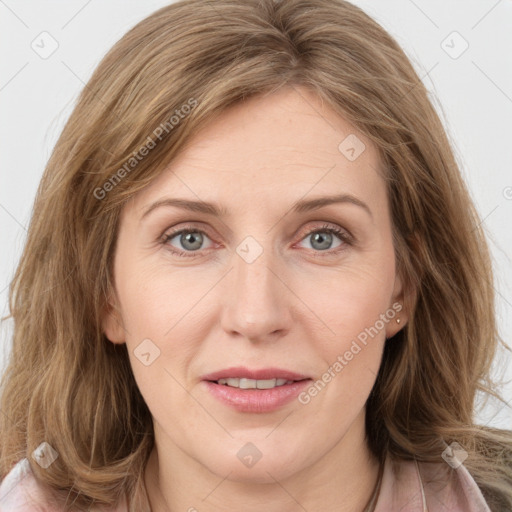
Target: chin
262,470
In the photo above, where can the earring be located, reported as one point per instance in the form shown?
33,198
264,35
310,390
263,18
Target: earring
398,320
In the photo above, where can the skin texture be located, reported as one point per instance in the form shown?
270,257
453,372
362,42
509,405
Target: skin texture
286,309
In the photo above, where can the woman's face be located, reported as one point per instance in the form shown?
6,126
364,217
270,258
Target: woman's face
261,289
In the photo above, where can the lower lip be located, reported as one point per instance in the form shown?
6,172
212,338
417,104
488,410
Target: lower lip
256,400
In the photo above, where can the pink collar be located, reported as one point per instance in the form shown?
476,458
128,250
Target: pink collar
411,486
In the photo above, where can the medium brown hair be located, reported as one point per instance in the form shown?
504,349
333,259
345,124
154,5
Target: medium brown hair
66,384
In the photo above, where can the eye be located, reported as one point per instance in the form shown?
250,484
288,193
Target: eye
190,239
321,239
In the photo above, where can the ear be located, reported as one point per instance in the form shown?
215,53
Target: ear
398,309
112,322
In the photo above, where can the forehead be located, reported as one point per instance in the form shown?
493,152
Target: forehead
269,148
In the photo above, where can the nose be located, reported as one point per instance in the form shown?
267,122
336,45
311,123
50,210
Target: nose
257,300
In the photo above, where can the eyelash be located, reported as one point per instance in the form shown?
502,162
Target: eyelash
341,234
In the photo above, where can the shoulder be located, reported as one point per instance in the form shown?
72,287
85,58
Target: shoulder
21,492
455,488
412,486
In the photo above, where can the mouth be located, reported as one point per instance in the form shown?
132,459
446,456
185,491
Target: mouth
255,391
243,383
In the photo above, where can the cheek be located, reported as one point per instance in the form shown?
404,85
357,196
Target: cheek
354,305
351,353
350,298
154,297
164,316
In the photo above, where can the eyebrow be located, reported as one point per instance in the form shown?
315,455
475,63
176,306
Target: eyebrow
302,206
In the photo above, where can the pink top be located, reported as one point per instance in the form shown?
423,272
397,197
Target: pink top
413,490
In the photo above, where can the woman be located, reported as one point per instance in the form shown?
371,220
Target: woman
254,279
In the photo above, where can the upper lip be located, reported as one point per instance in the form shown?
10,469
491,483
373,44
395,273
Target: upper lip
261,374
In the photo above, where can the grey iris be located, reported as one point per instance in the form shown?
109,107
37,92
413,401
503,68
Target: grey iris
195,238
321,237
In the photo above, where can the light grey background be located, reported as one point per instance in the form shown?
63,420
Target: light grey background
471,89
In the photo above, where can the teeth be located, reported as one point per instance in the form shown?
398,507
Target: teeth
253,383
